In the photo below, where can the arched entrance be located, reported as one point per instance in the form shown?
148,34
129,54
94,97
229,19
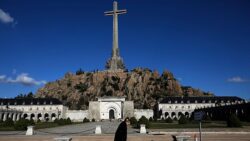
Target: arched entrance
111,114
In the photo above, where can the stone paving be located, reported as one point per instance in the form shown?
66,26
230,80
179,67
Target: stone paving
76,129
84,129
212,137
85,132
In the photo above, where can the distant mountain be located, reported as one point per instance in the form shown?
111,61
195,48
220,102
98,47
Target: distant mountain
143,86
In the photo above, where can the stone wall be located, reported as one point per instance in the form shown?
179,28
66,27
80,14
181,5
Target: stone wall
94,110
128,109
138,113
77,115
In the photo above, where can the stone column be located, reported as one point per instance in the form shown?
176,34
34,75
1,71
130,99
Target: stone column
50,116
36,117
22,115
5,116
18,116
43,116
9,116
28,116
14,117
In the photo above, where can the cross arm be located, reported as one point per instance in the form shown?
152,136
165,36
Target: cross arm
108,13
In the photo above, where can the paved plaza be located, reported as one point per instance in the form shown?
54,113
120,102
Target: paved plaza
208,137
85,132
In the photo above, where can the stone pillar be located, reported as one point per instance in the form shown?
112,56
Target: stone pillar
9,116
50,116
143,129
98,129
18,116
30,130
5,116
43,116
28,116
36,117
22,115
14,117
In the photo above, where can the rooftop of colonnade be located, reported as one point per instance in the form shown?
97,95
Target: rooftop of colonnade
30,101
207,99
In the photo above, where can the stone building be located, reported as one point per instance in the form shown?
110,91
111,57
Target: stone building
106,108
45,109
174,107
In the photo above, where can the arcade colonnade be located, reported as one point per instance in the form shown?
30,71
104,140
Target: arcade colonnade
43,109
174,107
42,115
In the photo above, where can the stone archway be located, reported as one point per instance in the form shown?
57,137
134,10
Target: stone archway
111,114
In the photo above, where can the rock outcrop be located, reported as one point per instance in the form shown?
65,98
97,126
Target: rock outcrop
143,86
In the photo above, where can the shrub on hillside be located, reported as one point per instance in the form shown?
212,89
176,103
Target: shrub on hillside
144,120
233,121
183,120
93,120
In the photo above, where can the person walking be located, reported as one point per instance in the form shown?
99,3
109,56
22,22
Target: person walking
121,132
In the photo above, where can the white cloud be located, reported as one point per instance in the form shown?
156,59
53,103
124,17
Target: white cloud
237,79
5,17
2,78
23,79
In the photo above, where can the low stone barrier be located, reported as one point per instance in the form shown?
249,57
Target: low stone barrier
63,139
143,129
98,129
30,130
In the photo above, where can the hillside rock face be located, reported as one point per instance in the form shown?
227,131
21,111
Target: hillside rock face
142,86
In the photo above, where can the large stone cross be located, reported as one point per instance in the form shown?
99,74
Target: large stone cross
115,13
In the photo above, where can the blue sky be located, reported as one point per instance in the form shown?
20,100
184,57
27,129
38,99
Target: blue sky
204,43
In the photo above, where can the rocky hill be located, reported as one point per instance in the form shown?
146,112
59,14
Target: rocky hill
143,86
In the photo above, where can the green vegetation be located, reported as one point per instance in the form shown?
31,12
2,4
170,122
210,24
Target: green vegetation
85,120
233,121
23,123
133,122
79,72
191,124
81,87
169,120
63,121
28,95
8,123
183,120
144,120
